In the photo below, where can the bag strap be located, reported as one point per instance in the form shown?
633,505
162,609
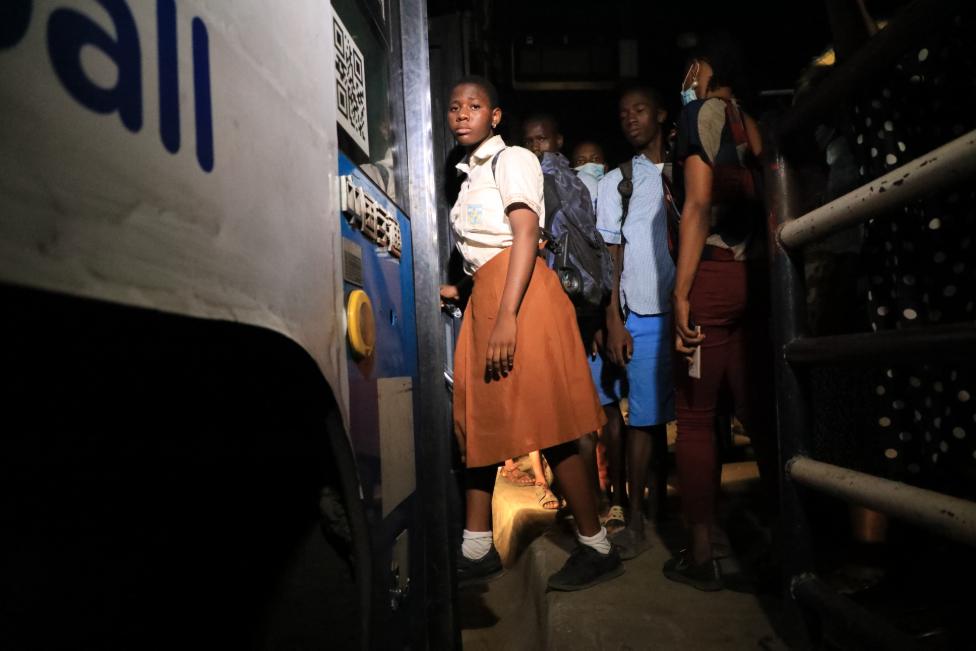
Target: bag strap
740,135
544,233
625,188
673,215
737,123
494,161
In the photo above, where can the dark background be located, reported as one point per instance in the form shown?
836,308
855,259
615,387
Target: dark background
564,41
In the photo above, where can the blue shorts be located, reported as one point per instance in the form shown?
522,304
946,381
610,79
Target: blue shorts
646,381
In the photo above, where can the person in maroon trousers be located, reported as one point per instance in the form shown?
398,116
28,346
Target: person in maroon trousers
720,300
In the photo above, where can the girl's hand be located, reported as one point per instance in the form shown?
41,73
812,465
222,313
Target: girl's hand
687,339
450,294
500,358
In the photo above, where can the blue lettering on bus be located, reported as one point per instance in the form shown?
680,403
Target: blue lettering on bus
15,17
69,31
201,93
169,81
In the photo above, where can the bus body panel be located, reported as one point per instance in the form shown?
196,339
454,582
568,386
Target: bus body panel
95,204
183,157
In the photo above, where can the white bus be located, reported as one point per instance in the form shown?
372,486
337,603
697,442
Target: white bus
214,371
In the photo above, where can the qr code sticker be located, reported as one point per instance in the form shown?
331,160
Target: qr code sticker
350,72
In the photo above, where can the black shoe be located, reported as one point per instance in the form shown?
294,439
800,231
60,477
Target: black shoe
484,569
585,568
707,576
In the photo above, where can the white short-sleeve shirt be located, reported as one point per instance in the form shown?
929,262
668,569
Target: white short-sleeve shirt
478,216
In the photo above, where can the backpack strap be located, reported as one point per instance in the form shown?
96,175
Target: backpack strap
740,135
737,123
551,196
547,191
494,161
625,188
673,216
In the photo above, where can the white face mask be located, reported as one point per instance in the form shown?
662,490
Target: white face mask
596,170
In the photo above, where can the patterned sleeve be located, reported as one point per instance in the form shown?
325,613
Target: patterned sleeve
519,179
700,130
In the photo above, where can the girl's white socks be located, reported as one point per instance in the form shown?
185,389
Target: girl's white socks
475,544
597,541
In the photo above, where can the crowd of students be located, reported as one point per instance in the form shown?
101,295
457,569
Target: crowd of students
685,318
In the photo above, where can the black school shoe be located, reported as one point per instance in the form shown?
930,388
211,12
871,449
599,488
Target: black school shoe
484,569
707,576
585,568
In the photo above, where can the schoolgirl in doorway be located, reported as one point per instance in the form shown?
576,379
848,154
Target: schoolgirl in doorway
521,381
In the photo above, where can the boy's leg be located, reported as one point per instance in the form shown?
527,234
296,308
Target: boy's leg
639,444
651,405
613,436
651,383
589,324
608,380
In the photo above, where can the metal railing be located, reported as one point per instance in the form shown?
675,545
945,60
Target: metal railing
789,233
940,168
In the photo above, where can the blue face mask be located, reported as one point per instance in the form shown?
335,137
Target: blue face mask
688,95
596,170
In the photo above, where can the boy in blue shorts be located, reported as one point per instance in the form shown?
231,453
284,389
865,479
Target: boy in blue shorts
638,342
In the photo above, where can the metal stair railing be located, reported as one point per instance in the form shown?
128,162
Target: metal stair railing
949,164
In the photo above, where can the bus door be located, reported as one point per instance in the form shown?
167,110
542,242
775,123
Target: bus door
378,284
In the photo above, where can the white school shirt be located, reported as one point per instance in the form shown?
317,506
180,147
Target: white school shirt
478,216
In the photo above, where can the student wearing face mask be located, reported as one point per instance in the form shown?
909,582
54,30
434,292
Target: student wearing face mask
590,165
719,290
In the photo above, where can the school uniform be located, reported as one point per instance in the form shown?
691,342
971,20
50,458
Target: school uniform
548,398
646,284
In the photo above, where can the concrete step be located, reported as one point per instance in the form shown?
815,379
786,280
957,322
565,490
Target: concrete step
639,610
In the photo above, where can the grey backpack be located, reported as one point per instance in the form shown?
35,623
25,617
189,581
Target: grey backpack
575,249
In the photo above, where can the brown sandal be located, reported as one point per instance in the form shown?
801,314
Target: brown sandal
547,499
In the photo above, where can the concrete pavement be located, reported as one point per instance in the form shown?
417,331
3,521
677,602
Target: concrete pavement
640,610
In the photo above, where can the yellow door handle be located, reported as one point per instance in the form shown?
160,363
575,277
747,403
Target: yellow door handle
362,325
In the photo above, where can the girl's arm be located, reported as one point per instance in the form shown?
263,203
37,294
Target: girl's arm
525,247
691,241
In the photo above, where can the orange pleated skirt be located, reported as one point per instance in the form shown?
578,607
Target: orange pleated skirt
548,398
